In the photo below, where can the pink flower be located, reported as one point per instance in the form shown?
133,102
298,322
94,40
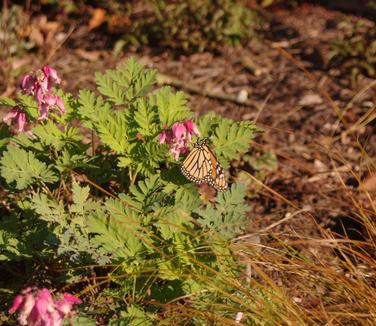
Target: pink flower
65,305
28,84
40,85
191,127
18,116
51,74
50,101
27,307
179,137
38,308
162,137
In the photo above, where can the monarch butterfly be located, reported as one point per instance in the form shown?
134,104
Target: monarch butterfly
201,165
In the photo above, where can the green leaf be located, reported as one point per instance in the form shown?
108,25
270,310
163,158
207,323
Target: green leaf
29,104
228,217
23,168
207,123
68,161
79,320
145,191
171,222
7,101
172,107
20,238
145,116
126,83
125,162
48,209
71,105
25,141
80,198
187,198
232,139
92,109
134,316
49,135
120,238
113,132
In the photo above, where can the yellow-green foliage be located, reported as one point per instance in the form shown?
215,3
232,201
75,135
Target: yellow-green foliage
183,25
356,52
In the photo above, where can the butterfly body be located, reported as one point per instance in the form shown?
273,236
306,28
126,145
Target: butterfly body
202,166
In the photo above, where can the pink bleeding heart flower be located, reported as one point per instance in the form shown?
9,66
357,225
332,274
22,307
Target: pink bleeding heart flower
65,304
28,84
179,137
51,75
191,128
163,137
37,307
40,85
18,117
48,102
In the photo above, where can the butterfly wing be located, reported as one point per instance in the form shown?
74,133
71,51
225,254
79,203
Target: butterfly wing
197,165
201,165
217,177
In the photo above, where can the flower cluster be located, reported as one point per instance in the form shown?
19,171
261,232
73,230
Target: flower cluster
38,308
179,138
38,85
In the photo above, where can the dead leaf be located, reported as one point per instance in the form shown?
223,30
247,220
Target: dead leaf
119,24
88,55
97,18
370,182
37,36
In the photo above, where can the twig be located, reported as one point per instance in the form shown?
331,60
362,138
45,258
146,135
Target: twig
168,80
285,219
58,46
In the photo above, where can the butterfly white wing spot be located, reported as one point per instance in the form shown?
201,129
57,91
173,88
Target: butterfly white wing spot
198,167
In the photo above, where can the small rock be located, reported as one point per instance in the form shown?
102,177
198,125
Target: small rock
242,96
368,104
320,166
297,300
310,100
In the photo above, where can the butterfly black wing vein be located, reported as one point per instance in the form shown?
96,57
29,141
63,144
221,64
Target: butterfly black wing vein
202,166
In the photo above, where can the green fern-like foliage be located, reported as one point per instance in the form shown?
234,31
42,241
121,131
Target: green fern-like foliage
231,139
171,107
127,83
134,316
22,169
228,217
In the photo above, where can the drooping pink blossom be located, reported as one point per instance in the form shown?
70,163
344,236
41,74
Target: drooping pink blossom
51,74
28,84
191,127
179,137
16,117
50,101
38,308
40,85
65,304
